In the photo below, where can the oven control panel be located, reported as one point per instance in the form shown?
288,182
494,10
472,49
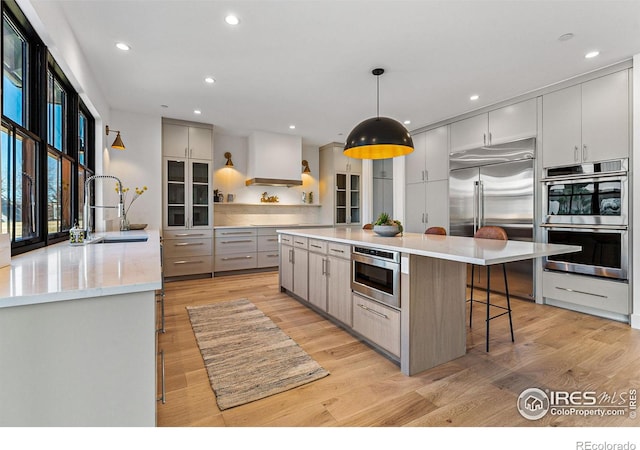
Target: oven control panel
376,253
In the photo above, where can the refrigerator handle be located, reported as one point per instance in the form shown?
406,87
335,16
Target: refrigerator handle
480,204
476,194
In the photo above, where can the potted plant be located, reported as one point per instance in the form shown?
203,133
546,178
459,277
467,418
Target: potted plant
386,226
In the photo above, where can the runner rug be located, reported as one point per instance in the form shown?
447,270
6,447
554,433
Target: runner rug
247,356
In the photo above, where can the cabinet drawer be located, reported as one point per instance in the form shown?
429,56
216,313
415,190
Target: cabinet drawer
377,323
286,239
300,242
318,246
340,250
187,247
235,232
186,234
235,261
267,232
587,291
178,266
268,243
269,259
230,245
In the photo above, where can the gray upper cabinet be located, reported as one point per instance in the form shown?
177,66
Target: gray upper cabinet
588,122
506,124
429,160
187,141
383,168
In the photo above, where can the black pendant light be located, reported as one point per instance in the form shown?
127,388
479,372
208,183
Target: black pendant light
378,137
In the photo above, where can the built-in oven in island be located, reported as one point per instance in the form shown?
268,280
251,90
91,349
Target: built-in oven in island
376,274
587,205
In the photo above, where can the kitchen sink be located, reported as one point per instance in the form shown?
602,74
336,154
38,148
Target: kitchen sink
118,239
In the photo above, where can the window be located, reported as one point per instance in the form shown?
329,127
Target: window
47,139
14,71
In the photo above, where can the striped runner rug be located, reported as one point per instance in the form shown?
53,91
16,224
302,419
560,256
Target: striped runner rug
247,356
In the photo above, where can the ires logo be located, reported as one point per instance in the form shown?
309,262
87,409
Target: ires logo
534,403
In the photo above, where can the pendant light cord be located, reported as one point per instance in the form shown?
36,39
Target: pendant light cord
378,96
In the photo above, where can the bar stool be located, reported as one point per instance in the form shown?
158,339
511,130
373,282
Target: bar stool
498,233
367,226
436,230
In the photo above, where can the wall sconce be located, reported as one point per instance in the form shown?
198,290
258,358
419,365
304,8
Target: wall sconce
117,142
229,163
305,164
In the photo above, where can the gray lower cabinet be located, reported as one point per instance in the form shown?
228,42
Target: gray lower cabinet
318,262
187,252
294,265
378,323
339,282
235,249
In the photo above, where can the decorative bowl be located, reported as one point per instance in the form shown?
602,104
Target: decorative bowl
386,230
137,226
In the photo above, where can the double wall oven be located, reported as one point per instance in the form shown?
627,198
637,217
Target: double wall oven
587,205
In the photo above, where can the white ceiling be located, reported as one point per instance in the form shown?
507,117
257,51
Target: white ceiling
309,63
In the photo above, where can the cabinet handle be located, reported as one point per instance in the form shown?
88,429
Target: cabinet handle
422,220
581,292
324,266
160,296
426,218
188,262
272,240
188,234
575,153
291,256
490,138
337,251
379,314
228,233
584,152
185,151
298,242
235,258
243,241
484,139
422,174
272,255
426,175
185,244
316,246
163,397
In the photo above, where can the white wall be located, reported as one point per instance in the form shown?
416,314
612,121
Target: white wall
137,166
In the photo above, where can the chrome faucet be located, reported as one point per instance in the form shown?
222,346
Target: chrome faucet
86,216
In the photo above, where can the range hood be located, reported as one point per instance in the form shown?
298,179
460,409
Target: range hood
494,154
274,160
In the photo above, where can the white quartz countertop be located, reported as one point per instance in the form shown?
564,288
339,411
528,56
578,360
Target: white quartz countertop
294,225
454,248
65,272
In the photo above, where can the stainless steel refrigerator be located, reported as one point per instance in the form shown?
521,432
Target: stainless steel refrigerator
494,186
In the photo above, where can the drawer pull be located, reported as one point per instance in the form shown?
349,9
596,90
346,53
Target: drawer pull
188,262
337,251
237,242
185,244
373,311
235,258
189,234
236,232
272,240
298,242
581,292
271,256
316,246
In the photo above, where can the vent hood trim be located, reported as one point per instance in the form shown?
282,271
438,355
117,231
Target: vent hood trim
272,182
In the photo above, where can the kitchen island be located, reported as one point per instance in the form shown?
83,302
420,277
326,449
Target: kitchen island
78,334
428,327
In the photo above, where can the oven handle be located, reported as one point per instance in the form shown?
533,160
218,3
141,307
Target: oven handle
585,226
603,176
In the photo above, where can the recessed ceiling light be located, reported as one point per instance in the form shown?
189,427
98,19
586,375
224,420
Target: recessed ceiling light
232,20
474,97
565,37
592,54
197,111
292,127
407,122
209,80
122,46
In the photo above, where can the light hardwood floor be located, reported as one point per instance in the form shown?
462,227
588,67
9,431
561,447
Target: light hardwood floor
555,349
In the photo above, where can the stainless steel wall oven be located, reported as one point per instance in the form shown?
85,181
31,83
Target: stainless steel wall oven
587,205
376,274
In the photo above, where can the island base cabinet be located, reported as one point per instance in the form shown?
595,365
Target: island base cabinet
86,362
378,323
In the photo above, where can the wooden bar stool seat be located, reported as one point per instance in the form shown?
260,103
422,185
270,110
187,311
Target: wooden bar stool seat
498,233
436,230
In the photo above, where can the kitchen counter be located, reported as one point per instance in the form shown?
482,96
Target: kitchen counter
429,327
452,248
66,272
78,334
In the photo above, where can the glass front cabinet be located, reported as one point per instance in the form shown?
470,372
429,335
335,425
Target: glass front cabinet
187,188
347,200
